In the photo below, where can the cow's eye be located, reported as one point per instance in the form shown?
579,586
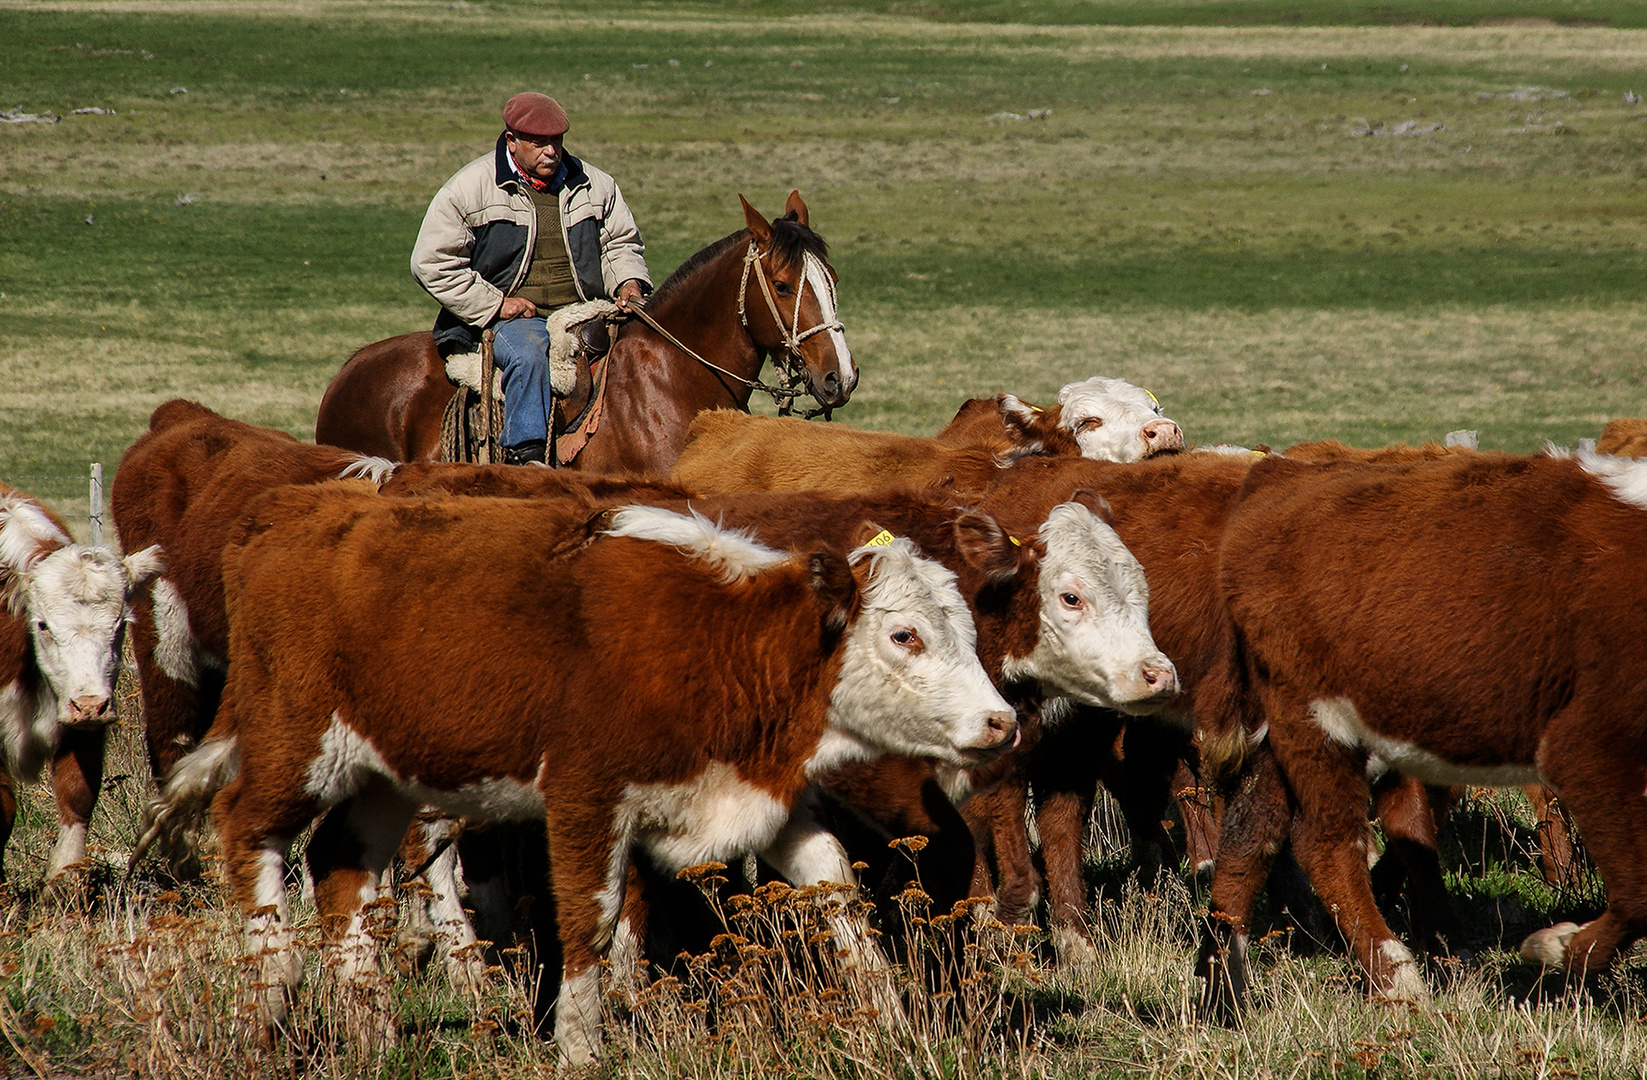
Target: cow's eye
1091,423
906,638
45,631
1070,600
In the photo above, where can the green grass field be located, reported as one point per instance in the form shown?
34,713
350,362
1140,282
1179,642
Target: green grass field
1371,221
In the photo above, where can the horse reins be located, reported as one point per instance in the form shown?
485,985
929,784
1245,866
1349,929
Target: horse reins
793,365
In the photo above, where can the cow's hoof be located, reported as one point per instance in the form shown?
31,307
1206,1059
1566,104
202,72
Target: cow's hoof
1549,946
1073,947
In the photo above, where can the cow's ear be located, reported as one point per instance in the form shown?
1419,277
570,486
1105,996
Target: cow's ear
837,588
759,227
1095,502
794,207
1023,422
986,546
142,566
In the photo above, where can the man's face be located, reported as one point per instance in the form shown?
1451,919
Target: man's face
536,156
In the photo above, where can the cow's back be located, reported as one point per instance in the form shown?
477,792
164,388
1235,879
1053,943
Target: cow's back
1479,594
728,453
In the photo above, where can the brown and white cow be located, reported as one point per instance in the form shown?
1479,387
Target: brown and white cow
1060,611
181,485
666,684
1466,620
1103,419
63,617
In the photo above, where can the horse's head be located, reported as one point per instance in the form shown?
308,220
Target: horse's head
788,301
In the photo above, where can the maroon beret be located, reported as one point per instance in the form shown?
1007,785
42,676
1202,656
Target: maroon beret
535,114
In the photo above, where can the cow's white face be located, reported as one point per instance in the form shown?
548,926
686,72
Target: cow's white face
75,601
910,679
1113,420
1095,643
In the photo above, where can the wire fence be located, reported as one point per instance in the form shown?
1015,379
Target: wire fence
65,492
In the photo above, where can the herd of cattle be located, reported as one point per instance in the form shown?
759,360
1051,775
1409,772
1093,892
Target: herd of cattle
810,635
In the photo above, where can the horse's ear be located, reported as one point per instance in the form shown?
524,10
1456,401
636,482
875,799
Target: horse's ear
794,207
759,227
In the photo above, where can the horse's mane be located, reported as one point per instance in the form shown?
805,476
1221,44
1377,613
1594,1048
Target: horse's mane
791,242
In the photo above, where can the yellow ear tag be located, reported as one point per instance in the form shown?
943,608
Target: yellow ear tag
880,539
1014,540
1154,401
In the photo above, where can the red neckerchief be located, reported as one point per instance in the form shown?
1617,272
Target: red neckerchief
537,185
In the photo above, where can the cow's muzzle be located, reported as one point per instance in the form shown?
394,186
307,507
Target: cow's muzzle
1160,437
88,712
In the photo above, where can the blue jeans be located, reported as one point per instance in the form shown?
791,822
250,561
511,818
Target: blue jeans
520,348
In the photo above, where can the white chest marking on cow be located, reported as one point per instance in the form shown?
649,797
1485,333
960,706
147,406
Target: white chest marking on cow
835,749
715,815
1338,718
175,651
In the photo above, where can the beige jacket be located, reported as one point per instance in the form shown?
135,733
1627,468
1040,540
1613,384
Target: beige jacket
474,246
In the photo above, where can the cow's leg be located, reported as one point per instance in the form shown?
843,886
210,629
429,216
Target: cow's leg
256,823
1330,839
181,688
807,854
351,850
1601,781
1555,841
1139,775
8,814
589,873
1257,816
76,776
434,909
1195,807
1063,771
1403,807
996,817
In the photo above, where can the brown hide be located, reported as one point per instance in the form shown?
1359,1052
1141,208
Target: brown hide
728,453
1327,451
627,664
987,421
1482,609
1623,438
182,485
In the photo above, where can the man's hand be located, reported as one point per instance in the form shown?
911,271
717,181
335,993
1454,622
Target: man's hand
515,307
628,293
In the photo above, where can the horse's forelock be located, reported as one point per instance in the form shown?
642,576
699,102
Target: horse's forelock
792,242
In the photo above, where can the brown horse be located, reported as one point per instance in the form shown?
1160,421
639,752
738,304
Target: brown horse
765,291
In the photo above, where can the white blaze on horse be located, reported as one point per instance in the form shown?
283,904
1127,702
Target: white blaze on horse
64,617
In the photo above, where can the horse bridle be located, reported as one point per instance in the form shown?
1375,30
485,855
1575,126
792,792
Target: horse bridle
793,365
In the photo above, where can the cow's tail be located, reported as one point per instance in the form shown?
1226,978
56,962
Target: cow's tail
178,811
1228,718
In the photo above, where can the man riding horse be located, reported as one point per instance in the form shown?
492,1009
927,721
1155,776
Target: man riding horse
514,235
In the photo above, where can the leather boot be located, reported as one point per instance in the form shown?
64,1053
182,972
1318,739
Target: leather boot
531,452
